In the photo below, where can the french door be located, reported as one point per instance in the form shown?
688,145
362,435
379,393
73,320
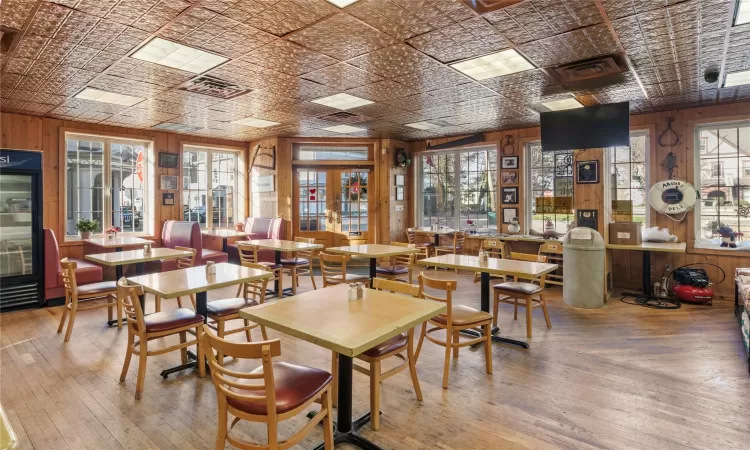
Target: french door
332,205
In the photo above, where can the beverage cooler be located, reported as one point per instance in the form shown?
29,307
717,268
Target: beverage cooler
21,236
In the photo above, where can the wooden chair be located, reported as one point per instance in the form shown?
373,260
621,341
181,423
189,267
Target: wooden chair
393,347
457,318
273,392
74,294
182,263
457,247
249,255
426,248
333,269
399,265
495,248
301,264
143,328
513,291
222,311
554,253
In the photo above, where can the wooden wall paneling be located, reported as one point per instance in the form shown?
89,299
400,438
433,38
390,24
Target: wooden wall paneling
285,184
262,204
393,223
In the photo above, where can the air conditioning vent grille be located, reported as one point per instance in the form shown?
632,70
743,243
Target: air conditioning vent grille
214,87
586,70
345,117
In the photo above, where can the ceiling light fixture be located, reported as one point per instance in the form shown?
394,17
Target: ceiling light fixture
108,97
256,123
497,64
342,3
178,56
742,14
178,127
344,129
737,78
562,104
424,125
342,101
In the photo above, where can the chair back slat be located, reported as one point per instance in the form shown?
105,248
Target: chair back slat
129,297
442,285
458,239
551,248
248,253
186,261
528,257
256,290
305,254
403,260
69,279
398,287
332,265
411,235
494,248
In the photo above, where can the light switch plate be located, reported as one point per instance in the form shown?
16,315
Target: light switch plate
399,207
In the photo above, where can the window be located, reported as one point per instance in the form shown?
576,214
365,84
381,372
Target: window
106,179
459,186
330,153
723,178
550,174
209,186
628,180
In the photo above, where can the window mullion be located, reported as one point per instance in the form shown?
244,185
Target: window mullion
457,190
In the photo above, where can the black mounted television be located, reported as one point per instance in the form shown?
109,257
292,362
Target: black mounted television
598,126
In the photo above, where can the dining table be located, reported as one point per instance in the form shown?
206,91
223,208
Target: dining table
325,317
195,280
436,233
117,243
280,246
225,234
494,266
373,252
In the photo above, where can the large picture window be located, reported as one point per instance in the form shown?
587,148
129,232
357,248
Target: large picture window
723,178
209,186
628,177
550,175
106,180
458,187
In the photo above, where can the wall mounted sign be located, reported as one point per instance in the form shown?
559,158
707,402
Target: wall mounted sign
169,160
588,172
400,180
509,162
167,198
509,214
399,194
554,205
169,183
510,195
587,218
563,186
265,183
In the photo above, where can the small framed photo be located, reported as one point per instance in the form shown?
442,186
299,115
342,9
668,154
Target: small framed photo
509,162
167,199
510,195
587,172
399,194
400,180
169,160
509,177
168,183
509,214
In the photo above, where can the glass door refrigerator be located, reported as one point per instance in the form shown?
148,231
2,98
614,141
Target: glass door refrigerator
21,236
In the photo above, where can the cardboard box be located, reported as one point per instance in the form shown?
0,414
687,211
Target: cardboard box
625,233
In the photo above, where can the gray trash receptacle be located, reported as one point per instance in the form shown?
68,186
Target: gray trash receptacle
583,268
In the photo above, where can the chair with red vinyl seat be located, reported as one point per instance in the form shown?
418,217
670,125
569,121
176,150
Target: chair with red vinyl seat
78,298
86,272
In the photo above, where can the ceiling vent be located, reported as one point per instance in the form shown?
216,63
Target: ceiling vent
344,117
7,38
214,87
589,69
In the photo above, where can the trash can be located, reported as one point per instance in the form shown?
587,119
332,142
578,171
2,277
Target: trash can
583,268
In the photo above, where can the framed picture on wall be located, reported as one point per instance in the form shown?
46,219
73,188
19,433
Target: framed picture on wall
587,172
169,160
510,195
509,177
509,162
399,194
169,183
400,180
509,214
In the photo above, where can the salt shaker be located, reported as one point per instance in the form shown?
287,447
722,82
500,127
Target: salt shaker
210,269
360,291
147,248
352,292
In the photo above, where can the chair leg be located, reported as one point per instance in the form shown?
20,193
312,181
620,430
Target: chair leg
495,308
375,395
312,277
447,363
221,434
239,290
544,309
62,318
119,313
488,348
515,309
413,365
142,355
528,317
199,350
335,383
179,302
192,300
71,321
455,344
248,336
294,280
110,306
128,356
421,340
157,303
327,420
263,332
220,333
183,350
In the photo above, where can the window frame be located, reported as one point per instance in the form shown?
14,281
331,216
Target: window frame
239,168
528,215
456,220
610,160
107,209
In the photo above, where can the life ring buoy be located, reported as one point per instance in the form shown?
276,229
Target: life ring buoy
672,196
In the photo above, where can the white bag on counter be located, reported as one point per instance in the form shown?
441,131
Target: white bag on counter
656,234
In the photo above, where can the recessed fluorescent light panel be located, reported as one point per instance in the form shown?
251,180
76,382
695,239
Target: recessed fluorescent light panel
257,123
494,65
178,56
742,15
342,101
344,129
737,78
108,97
425,125
562,104
342,3
177,127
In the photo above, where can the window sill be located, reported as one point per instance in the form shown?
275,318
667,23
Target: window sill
713,249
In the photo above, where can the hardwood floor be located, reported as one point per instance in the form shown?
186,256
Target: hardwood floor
620,377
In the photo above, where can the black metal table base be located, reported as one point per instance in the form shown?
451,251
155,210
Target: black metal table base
286,293
485,302
201,304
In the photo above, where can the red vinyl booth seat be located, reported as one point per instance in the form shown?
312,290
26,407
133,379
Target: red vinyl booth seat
86,272
264,228
184,234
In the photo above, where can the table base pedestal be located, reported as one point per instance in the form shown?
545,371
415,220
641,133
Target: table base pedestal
485,305
201,304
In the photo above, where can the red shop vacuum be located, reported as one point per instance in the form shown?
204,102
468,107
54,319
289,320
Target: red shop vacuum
692,285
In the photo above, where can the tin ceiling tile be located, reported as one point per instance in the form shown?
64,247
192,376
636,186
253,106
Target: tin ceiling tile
342,76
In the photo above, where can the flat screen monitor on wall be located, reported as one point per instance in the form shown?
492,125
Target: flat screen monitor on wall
592,127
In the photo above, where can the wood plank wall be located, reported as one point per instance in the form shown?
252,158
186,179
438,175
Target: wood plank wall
36,133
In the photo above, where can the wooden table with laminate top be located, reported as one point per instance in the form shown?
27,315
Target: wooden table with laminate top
327,318
494,266
373,252
117,243
280,246
647,248
137,257
225,234
435,233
